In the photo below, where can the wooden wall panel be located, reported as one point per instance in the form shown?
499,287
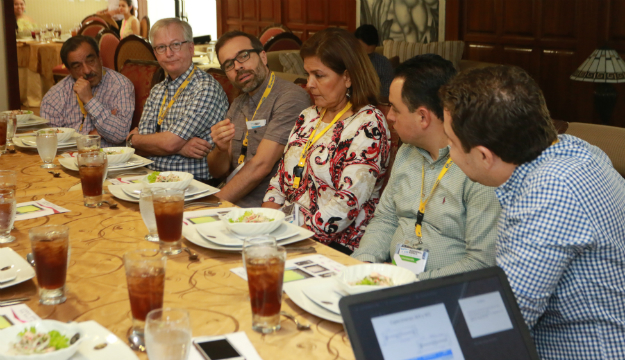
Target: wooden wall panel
233,10
482,52
293,13
267,10
249,9
519,17
559,18
480,17
522,57
316,12
616,22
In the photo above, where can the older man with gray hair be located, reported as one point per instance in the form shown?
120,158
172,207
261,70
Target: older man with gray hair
176,122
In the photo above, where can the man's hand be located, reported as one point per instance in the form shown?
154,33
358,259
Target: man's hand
134,131
83,89
195,148
94,132
223,133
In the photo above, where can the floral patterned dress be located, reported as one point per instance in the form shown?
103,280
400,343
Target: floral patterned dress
344,171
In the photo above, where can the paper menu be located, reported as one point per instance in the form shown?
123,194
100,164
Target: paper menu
16,314
38,208
304,267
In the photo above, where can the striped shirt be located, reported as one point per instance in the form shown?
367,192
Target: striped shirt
109,111
385,72
459,227
199,106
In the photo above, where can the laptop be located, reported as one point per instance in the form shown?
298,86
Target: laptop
466,316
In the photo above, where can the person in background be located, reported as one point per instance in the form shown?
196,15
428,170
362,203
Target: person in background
175,127
561,233
23,21
114,11
459,217
368,37
250,141
130,24
93,100
336,157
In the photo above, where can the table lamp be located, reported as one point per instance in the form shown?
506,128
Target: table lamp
603,67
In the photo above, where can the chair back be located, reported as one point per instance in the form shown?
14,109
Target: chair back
143,75
133,47
270,31
92,29
144,27
107,41
94,18
283,41
610,139
395,144
231,91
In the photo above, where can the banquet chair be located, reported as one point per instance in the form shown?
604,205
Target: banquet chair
284,41
144,27
270,31
143,75
610,139
133,47
92,28
107,42
231,91
94,18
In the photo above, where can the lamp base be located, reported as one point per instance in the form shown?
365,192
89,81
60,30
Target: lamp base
605,100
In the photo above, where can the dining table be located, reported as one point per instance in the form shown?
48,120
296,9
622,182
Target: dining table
35,61
217,299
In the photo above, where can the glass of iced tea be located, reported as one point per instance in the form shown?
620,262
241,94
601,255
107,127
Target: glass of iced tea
168,210
92,169
86,143
50,246
7,214
264,264
145,274
168,334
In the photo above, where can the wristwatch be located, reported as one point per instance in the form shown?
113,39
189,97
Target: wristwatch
129,141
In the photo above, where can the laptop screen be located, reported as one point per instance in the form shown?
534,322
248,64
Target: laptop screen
456,319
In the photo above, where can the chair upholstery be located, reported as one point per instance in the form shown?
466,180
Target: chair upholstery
143,75
101,18
610,139
133,47
284,41
92,29
94,18
144,27
107,41
59,72
270,31
231,91
395,144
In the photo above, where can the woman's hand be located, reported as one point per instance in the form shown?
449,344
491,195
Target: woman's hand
271,205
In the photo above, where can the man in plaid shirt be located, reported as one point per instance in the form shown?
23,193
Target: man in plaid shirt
176,122
561,232
93,100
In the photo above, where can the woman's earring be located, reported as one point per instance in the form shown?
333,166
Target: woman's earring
349,93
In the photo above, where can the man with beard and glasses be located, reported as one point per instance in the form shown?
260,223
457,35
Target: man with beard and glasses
93,100
251,140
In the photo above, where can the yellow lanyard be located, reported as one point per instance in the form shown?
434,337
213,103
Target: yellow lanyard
272,79
422,203
82,106
299,169
162,114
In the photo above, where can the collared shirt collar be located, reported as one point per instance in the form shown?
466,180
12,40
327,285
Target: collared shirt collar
180,79
442,155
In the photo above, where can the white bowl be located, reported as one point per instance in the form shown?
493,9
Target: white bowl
352,274
185,181
21,115
9,336
126,154
252,229
64,134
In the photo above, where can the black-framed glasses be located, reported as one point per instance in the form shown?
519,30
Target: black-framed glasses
175,47
242,56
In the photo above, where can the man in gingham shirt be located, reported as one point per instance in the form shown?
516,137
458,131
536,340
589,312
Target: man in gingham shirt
561,234
93,100
187,103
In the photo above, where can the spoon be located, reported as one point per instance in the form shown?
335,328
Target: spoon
55,174
136,342
299,325
31,259
111,205
74,338
192,256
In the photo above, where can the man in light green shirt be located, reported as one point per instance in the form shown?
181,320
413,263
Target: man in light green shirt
459,226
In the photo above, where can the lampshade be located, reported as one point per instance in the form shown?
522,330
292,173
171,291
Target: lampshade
602,66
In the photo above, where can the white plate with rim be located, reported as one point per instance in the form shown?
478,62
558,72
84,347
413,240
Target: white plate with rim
32,121
295,290
195,188
30,142
96,334
135,161
23,270
326,294
216,232
118,192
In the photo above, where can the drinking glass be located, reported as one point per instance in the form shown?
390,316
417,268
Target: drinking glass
168,210
145,275
4,123
11,126
7,214
257,240
50,31
86,143
50,246
265,275
8,179
168,334
146,207
92,169
46,146
57,31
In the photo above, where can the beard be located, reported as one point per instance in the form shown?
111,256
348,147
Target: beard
258,77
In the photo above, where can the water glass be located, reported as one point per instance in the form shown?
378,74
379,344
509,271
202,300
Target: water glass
7,214
50,246
4,123
86,143
147,213
92,169
11,126
168,211
145,275
168,334
8,179
46,146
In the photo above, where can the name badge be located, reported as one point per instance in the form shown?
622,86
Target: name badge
410,258
255,124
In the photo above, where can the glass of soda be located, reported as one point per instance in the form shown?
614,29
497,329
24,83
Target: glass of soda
168,211
50,246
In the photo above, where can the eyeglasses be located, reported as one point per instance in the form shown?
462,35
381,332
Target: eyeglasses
242,56
175,47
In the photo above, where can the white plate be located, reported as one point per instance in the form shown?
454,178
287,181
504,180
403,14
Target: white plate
295,291
216,232
191,234
32,121
326,294
22,269
96,334
118,192
195,188
135,161
30,142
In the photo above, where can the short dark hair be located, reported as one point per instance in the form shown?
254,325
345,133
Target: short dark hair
423,76
368,34
256,44
501,108
74,43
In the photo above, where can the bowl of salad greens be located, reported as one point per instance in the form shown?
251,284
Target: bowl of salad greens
118,155
40,340
252,221
167,179
368,277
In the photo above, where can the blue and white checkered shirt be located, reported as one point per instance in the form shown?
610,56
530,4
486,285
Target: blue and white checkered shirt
199,106
109,111
561,242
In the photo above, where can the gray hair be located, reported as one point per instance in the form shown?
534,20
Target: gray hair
164,23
